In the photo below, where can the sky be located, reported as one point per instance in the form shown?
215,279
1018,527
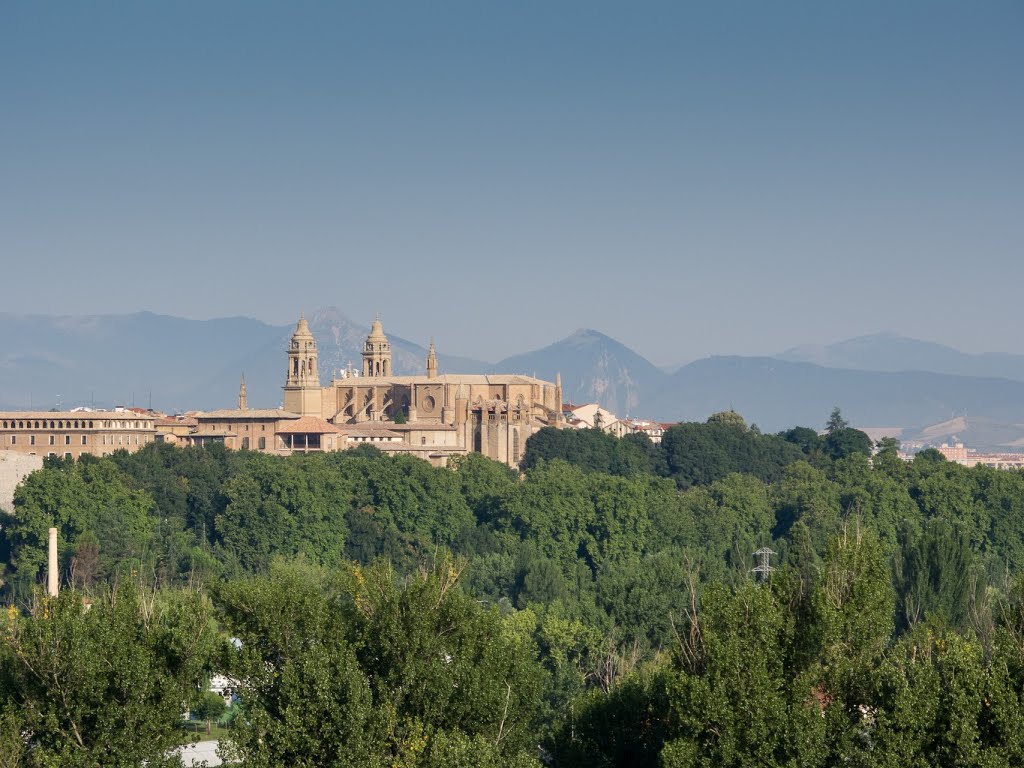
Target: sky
688,178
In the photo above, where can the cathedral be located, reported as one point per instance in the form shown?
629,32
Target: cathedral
434,415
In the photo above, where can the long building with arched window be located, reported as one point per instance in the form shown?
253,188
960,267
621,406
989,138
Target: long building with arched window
73,433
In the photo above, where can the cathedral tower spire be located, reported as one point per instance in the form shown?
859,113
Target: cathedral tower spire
377,351
431,361
243,396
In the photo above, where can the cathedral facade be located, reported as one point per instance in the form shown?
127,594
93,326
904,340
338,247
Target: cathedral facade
433,415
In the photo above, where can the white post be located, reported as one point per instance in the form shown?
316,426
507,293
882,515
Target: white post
51,576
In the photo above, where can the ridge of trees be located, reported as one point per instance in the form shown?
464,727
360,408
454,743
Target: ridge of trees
604,608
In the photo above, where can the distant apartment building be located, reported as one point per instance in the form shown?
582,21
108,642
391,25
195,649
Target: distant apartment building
71,434
968,457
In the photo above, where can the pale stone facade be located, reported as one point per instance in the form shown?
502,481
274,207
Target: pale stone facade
74,433
15,467
439,415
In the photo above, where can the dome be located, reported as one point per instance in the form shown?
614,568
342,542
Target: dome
377,331
302,328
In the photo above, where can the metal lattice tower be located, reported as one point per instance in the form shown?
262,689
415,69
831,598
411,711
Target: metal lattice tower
764,567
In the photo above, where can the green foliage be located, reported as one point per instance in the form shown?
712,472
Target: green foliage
698,454
361,669
606,608
106,684
591,449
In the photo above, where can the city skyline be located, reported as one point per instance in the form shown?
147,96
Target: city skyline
728,179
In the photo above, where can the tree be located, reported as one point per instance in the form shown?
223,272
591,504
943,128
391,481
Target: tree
846,442
358,669
104,685
211,706
307,703
805,438
836,422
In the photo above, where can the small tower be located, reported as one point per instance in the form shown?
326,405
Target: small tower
558,400
377,352
431,361
302,394
243,397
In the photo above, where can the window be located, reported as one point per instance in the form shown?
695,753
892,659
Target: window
245,443
263,443
14,439
67,455
53,440
32,440
83,439
67,439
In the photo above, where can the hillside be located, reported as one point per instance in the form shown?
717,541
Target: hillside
892,352
177,363
777,394
594,368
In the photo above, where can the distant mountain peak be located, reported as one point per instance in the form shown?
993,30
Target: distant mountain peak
330,316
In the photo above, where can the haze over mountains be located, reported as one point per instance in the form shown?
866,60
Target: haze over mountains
879,381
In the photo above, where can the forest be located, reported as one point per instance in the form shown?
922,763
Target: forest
598,608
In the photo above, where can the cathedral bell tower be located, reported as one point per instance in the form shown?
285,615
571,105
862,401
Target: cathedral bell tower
302,393
376,352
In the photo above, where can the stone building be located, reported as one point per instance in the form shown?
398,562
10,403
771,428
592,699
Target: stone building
73,433
433,415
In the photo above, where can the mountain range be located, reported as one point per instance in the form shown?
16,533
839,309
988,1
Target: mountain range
918,390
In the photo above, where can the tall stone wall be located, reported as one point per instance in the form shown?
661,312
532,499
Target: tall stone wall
15,467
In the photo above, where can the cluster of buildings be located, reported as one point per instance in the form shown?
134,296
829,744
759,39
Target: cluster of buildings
969,457
593,416
433,416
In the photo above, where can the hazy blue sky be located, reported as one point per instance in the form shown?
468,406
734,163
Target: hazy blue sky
728,177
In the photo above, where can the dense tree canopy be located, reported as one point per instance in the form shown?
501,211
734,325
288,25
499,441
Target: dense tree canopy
601,604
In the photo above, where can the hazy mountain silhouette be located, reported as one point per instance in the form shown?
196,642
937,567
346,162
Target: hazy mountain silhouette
196,364
777,394
173,362
594,368
892,352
